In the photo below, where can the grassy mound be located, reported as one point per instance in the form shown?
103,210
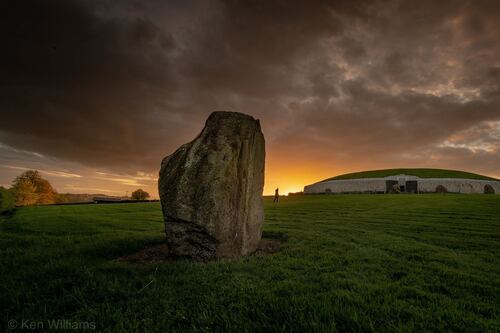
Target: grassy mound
359,263
422,173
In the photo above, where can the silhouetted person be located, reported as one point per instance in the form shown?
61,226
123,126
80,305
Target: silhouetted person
276,195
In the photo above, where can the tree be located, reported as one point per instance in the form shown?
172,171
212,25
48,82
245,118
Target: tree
24,192
140,195
6,200
31,189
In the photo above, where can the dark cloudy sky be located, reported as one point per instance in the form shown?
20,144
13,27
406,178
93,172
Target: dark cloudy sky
94,94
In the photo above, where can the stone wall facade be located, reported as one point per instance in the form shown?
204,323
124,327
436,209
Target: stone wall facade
379,185
372,185
458,185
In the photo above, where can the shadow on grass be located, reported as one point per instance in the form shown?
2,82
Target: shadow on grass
155,253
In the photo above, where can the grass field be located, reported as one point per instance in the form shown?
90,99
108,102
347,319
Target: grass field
349,263
422,173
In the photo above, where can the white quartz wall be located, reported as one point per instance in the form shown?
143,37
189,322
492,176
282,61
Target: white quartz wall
457,185
348,185
454,185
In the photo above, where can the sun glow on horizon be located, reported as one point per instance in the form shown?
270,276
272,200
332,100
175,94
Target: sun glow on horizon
291,179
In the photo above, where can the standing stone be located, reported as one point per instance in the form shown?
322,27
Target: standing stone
211,189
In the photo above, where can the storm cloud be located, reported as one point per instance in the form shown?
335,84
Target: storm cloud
338,85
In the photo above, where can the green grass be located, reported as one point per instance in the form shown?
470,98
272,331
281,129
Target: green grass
7,200
422,173
350,263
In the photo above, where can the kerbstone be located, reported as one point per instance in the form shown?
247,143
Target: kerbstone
211,189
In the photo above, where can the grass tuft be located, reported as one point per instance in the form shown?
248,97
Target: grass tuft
349,263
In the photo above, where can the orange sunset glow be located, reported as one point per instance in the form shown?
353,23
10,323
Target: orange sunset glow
250,166
337,88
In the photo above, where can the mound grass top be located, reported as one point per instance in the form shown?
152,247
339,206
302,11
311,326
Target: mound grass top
419,172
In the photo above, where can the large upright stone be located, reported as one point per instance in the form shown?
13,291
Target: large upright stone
211,189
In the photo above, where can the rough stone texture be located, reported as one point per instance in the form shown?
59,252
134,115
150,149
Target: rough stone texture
211,189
